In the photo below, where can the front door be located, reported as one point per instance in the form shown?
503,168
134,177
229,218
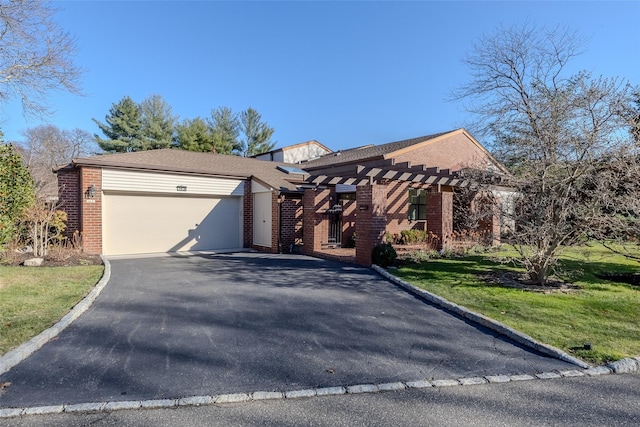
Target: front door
335,228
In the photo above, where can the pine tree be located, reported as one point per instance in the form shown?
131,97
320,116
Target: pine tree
194,135
257,133
225,129
123,128
157,122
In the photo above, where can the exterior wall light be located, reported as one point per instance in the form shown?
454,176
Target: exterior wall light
91,191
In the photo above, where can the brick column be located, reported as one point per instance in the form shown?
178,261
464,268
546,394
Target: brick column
247,215
371,220
91,210
440,216
314,222
70,197
291,210
275,223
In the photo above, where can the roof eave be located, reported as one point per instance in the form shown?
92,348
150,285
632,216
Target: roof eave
153,168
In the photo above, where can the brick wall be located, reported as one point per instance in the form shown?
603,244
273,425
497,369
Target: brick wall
315,222
91,210
247,215
291,219
371,220
275,224
349,213
440,215
69,198
398,208
455,152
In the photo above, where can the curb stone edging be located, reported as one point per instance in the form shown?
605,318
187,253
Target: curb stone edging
629,365
622,366
257,396
20,353
483,320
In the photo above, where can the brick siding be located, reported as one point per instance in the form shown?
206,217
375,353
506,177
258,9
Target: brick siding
291,210
371,220
440,215
69,198
247,216
91,211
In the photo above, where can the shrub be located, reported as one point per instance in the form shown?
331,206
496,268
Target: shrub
410,237
384,255
351,242
17,191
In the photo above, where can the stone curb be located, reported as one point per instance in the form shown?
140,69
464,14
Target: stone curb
483,320
17,355
257,396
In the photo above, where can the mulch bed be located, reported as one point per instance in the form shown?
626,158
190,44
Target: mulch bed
70,258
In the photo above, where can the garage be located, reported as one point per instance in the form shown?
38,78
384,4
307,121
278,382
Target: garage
146,212
140,224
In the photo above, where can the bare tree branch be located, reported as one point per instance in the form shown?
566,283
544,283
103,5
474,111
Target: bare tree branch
35,55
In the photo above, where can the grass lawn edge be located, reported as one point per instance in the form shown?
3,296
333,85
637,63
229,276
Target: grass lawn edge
484,321
26,349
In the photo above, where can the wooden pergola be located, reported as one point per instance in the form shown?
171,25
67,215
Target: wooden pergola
383,172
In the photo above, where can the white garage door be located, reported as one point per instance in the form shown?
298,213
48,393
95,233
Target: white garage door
139,224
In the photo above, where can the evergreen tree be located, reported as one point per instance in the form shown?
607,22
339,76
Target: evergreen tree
17,191
158,123
194,135
225,129
123,128
257,133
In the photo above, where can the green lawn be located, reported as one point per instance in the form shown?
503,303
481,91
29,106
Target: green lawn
33,299
600,312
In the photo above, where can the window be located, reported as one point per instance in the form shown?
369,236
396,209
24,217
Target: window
346,196
417,204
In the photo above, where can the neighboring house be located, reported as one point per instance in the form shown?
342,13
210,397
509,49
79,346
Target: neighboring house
173,200
296,153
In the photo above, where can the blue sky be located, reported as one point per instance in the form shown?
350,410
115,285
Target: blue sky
343,73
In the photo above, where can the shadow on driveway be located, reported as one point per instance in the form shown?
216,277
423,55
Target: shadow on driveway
172,327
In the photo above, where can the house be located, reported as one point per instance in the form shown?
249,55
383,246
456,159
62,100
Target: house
296,153
173,201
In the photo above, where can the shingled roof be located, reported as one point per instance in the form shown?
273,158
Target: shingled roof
369,152
196,163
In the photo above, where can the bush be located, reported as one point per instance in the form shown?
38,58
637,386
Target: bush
384,255
17,192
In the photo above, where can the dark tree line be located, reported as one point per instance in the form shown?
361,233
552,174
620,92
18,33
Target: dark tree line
151,124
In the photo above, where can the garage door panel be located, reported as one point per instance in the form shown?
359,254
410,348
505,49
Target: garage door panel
136,224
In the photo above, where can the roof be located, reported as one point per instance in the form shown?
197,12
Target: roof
436,157
368,152
294,146
301,144
196,163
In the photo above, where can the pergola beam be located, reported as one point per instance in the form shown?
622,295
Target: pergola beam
362,174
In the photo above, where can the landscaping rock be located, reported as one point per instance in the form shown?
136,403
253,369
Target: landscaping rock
33,262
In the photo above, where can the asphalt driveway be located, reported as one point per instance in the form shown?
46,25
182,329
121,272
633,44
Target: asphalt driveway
171,327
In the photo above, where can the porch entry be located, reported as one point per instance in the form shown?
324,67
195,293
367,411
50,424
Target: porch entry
335,225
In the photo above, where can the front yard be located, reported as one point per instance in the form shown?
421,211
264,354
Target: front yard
601,313
33,299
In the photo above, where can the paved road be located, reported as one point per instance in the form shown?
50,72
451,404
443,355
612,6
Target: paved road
171,327
611,400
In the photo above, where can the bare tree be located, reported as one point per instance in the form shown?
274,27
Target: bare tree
46,147
35,55
559,134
